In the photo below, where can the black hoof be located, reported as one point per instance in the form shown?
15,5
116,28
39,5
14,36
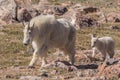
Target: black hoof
31,67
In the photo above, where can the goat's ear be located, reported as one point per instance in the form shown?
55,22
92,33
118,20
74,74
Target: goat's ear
28,24
32,25
24,23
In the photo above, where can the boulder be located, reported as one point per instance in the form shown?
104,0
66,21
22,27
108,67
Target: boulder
79,19
6,18
7,10
7,6
23,15
60,10
43,5
24,3
48,11
70,16
114,27
34,12
101,17
89,9
113,17
26,14
2,22
44,2
68,3
85,21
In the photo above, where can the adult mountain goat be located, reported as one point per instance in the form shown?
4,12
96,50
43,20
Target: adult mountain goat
45,32
104,45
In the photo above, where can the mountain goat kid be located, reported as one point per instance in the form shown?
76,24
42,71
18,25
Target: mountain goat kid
45,32
104,45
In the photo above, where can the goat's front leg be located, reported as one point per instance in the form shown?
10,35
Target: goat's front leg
94,51
34,59
104,55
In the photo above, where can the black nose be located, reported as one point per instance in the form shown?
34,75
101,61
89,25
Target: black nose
92,46
25,44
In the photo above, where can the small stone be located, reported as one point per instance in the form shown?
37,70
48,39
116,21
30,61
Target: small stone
80,74
72,68
54,72
31,67
7,76
44,74
111,61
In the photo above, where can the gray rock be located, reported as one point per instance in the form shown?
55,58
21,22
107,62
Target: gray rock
113,17
60,10
114,27
111,61
7,10
80,18
44,74
1,26
23,15
89,9
7,5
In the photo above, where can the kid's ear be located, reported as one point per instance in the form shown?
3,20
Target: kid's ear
97,37
92,35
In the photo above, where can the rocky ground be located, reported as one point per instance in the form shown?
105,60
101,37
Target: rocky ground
85,68
80,13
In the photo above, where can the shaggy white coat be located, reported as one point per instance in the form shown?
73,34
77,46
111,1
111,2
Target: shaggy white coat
104,45
48,32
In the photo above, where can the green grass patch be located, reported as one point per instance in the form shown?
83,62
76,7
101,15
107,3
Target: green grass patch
11,47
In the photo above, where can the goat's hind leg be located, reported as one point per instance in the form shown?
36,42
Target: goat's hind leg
43,58
70,56
43,55
103,55
111,53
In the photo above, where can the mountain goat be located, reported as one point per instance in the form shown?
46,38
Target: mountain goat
45,32
104,45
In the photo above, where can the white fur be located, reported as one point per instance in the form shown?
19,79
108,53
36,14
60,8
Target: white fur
104,45
48,32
